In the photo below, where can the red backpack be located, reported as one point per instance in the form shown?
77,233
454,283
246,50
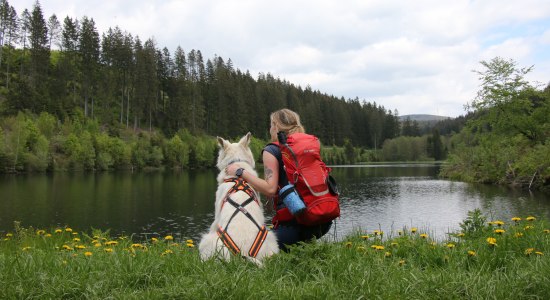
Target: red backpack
301,154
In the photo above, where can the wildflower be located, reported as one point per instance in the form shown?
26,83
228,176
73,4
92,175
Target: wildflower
360,248
189,241
167,252
58,231
492,241
122,238
516,219
174,245
528,227
498,223
518,234
546,231
402,262
528,251
379,248
111,243
65,247
87,253
9,234
378,232
450,245
26,248
108,250
499,231
95,237
76,240
169,238
68,229
471,253
400,232
80,247
414,229
374,246
154,240
48,235
424,235
137,246
365,237
530,218
387,254
539,253
40,232
97,244
394,244
460,234
348,244
190,245
490,223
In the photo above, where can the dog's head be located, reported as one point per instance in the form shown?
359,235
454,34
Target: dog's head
234,152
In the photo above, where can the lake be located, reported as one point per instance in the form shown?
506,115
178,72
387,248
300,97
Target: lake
144,204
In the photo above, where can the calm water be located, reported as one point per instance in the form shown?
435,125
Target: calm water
386,197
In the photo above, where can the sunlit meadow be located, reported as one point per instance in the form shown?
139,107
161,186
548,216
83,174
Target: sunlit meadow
500,259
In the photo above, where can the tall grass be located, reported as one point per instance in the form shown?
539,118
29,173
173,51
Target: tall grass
468,265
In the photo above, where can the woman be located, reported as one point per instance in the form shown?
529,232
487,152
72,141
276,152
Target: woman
288,232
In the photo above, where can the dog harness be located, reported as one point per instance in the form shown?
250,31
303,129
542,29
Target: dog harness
240,184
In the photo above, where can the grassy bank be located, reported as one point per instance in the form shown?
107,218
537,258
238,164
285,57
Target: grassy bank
500,259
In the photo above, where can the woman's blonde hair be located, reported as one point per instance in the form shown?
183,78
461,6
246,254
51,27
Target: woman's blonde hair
288,121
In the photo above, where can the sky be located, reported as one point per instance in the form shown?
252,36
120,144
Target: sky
416,57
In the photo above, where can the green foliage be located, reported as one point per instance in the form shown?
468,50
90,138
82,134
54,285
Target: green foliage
405,148
177,152
474,223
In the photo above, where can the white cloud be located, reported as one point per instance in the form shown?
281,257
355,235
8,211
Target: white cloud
414,56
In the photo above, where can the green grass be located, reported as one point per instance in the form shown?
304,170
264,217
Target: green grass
36,265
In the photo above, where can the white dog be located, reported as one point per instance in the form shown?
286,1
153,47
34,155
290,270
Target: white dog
238,227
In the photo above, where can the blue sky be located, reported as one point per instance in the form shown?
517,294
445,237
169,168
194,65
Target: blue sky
413,56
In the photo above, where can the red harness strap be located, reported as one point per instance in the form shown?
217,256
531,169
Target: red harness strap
241,185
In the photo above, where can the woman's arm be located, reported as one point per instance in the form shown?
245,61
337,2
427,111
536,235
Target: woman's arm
268,185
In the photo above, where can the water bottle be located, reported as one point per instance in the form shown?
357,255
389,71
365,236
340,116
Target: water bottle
292,200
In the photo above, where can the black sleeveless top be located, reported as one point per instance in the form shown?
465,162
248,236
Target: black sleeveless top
275,151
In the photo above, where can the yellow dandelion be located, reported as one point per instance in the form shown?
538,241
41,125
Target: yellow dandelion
379,248
377,232
108,250
387,254
76,240
9,234
80,247
360,248
189,241
169,238
374,246
516,219
58,231
400,232
424,235
498,223
122,237
154,240
190,245
95,237
365,237
97,244
137,246
518,234
414,229
26,248
75,233
500,231
174,245
530,218
471,253
40,232
402,262
492,241
490,223
528,251
68,229
450,245
348,244
460,234
546,231
528,227
48,235
539,253
167,252
87,253
66,247
111,243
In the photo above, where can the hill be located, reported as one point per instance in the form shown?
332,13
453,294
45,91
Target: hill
423,117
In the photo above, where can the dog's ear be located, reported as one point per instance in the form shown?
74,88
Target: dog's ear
222,143
245,140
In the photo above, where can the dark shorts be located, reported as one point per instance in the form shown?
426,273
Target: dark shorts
290,233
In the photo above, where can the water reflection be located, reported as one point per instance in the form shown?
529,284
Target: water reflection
386,197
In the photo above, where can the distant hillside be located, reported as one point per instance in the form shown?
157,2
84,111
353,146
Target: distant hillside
423,118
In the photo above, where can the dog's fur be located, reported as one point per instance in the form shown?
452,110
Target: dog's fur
241,229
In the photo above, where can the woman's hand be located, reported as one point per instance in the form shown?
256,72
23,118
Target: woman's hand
231,169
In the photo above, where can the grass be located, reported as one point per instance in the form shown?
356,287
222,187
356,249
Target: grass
47,264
